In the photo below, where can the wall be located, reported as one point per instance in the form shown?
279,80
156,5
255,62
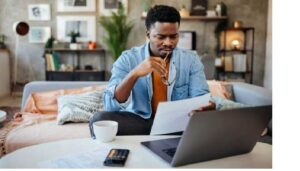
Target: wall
268,67
4,74
252,13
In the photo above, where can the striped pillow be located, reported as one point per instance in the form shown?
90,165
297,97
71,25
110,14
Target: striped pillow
79,107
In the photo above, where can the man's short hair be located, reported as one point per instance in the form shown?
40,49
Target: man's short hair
162,13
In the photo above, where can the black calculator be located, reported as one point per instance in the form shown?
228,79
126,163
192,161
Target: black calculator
116,157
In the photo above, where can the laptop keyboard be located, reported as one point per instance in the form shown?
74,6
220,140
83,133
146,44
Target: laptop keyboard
170,151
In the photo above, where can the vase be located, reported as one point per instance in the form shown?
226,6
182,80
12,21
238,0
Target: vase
73,46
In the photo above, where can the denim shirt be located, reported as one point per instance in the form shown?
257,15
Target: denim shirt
185,67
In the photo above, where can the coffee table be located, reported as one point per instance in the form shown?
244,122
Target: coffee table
139,157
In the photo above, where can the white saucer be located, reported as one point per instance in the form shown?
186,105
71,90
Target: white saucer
2,115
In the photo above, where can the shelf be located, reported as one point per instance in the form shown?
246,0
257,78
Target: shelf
236,72
239,29
75,76
204,18
75,50
86,71
247,50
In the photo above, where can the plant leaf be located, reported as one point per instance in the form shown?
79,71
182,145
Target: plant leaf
118,29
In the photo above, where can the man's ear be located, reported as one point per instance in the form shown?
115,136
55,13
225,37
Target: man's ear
148,34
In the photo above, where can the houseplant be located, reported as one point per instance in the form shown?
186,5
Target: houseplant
73,43
118,29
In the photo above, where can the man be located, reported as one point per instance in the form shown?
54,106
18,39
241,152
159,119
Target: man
154,72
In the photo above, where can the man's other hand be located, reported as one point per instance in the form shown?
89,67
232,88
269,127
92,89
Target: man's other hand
210,106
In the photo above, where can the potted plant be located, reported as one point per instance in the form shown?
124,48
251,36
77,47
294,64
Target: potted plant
118,30
49,43
73,43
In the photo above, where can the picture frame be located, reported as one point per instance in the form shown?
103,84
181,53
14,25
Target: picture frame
106,7
76,5
39,34
187,40
39,12
85,25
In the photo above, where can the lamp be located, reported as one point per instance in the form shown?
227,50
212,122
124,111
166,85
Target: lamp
20,28
232,39
236,44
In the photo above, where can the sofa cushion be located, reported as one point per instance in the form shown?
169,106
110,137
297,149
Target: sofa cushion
221,89
46,102
79,107
224,104
37,133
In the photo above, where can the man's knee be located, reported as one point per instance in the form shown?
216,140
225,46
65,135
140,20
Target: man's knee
103,115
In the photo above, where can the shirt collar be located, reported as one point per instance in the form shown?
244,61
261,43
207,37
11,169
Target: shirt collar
147,53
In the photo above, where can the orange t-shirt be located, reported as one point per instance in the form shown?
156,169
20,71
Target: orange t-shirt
159,89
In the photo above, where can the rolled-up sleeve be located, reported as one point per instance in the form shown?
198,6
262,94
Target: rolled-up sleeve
119,71
198,85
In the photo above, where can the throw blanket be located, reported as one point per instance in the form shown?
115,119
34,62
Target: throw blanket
21,120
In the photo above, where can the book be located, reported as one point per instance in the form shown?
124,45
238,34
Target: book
52,61
56,62
239,62
228,63
48,62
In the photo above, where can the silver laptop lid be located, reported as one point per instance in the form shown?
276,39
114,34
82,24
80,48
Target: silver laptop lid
216,134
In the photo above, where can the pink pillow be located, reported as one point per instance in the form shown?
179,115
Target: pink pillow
46,102
218,88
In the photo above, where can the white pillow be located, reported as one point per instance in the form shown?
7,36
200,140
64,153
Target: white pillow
79,107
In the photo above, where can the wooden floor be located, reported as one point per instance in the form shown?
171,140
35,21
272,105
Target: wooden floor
15,98
12,101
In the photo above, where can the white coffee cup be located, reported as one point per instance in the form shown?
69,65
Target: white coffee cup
105,131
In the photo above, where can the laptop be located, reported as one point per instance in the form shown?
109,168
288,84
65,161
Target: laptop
214,134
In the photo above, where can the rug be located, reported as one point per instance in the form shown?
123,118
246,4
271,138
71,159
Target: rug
6,126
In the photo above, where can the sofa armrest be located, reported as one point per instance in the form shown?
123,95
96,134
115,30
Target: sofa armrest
40,86
251,94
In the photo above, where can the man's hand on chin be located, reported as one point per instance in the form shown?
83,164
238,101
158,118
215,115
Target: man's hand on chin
210,106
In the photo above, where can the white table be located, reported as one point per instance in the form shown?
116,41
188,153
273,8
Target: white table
139,156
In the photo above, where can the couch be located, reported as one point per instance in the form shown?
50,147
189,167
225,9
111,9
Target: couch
50,131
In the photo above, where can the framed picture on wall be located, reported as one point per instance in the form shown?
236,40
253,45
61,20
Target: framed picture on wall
39,34
39,12
84,25
187,40
106,7
76,5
